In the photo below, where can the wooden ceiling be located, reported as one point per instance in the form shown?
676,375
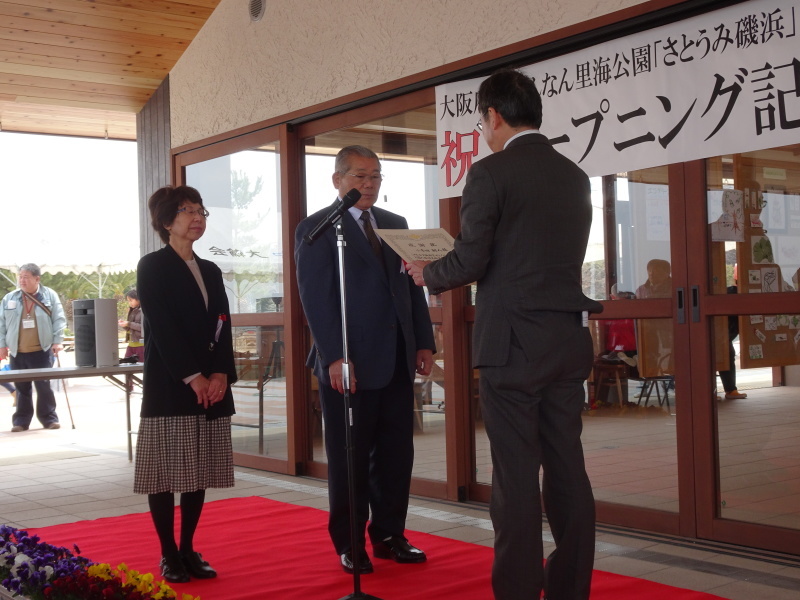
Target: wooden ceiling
86,67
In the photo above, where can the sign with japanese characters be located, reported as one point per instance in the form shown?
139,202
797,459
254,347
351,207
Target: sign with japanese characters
724,82
418,244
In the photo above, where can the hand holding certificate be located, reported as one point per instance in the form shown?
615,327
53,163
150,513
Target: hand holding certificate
417,244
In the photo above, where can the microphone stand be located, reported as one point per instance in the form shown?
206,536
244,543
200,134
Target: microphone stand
355,546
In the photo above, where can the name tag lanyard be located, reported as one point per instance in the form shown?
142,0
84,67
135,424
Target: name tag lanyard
28,321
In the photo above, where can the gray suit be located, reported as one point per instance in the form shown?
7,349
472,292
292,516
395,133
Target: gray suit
525,220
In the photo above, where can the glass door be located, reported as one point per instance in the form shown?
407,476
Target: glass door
745,332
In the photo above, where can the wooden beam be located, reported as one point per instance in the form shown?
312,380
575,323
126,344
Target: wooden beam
22,84
10,68
147,12
65,98
114,46
109,36
71,57
54,20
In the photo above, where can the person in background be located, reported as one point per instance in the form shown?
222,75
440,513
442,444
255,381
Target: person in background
526,213
728,377
391,336
659,280
621,334
184,440
133,326
32,326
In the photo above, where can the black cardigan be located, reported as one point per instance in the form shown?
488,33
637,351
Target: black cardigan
180,333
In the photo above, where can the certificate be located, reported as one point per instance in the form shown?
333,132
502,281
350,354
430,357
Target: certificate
417,244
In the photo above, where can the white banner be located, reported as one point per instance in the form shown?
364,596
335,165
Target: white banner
724,82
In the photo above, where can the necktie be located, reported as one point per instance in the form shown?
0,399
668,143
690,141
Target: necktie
371,236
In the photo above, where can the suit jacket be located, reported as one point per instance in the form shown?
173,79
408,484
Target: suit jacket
525,218
180,333
379,301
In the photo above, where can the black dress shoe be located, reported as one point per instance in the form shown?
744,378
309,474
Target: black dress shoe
196,567
399,550
172,569
364,563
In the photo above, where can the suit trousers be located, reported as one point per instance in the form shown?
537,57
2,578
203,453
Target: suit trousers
383,447
45,399
532,412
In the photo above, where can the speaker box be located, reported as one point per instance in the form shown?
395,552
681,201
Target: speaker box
96,337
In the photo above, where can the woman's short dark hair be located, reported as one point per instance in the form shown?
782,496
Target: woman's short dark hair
514,96
132,294
164,205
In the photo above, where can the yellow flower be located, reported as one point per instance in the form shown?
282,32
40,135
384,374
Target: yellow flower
102,571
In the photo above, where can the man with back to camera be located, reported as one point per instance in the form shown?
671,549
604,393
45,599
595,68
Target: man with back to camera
525,219
390,336
32,326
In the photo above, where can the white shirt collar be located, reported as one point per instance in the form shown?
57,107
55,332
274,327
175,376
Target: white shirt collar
520,134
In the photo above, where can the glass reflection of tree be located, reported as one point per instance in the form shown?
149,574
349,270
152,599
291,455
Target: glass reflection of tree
247,235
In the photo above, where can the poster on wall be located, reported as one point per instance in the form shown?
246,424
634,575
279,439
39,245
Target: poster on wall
764,340
625,105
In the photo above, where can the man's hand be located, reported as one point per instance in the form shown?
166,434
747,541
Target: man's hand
56,348
3,353
415,270
424,361
337,377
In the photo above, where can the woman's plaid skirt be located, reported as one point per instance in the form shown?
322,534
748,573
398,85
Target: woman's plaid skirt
183,454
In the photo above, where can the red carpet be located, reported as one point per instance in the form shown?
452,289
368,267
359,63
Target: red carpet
265,550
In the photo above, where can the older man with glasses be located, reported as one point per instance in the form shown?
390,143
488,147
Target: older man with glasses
32,325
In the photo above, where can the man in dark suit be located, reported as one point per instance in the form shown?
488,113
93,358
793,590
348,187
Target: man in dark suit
390,336
525,219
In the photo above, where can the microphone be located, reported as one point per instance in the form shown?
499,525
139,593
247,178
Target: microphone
336,212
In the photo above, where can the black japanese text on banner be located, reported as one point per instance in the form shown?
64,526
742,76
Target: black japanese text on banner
724,82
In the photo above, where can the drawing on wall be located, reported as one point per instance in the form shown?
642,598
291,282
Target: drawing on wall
729,226
776,211
771,323
754,276
769,280
780,337
756,319
756,351
762,250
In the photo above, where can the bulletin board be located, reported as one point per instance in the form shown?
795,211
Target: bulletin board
765,340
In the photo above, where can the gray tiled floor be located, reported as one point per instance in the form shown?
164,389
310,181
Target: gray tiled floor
53,477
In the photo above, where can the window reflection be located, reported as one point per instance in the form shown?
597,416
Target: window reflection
243,236
754,220
259,425
630,229
754,227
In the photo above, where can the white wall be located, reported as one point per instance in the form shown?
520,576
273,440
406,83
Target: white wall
304,52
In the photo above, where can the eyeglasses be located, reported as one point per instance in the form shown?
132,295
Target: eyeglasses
365,178
202,212
479,125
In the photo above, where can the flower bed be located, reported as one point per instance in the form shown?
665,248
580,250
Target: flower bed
30,568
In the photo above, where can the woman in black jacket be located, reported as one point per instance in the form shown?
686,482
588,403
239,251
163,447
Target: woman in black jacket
184,441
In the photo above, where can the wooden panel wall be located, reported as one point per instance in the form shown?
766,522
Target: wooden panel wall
153,135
